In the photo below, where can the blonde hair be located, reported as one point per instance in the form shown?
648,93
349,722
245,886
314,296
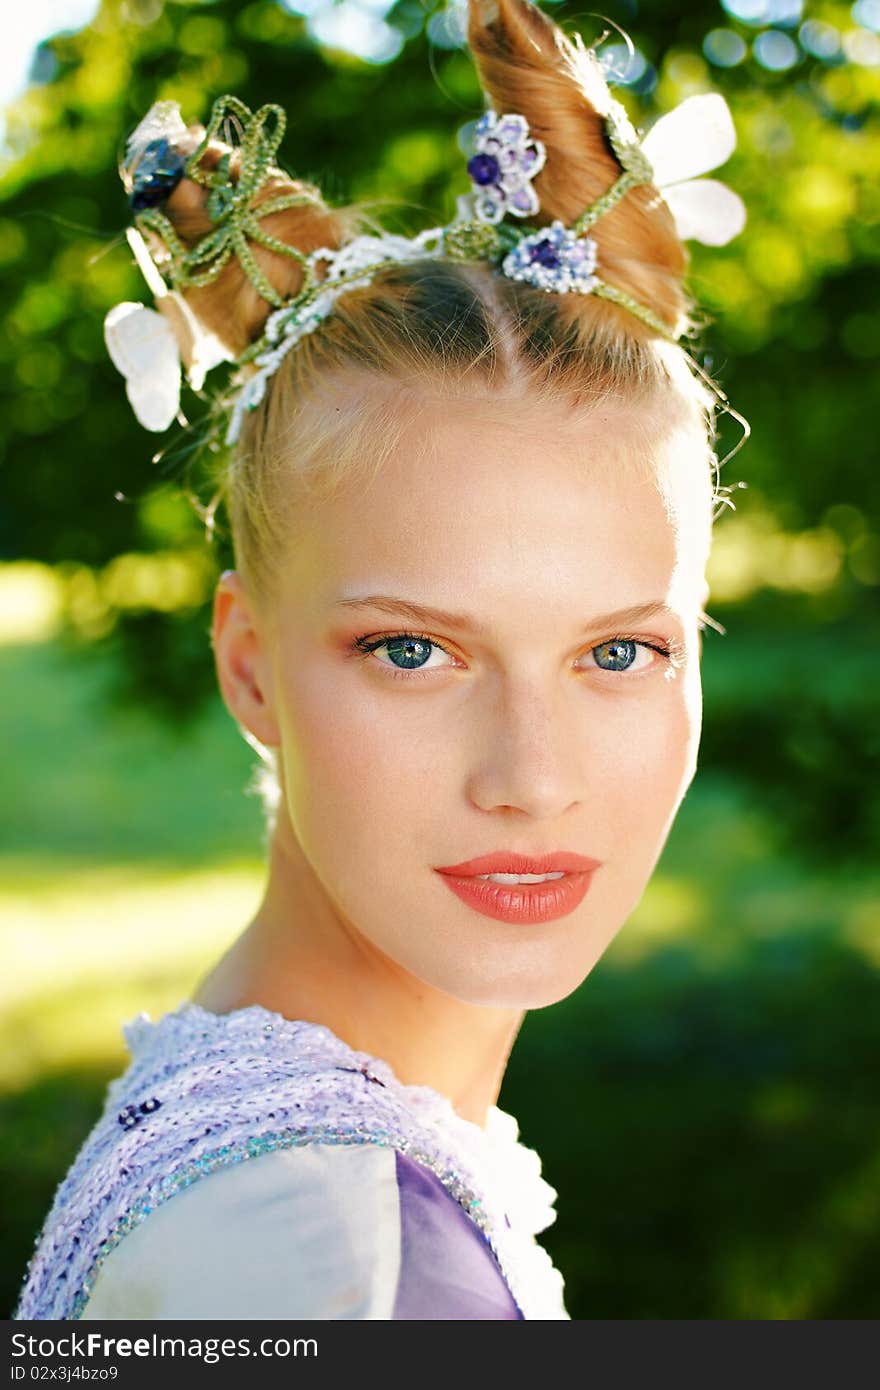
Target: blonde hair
443,324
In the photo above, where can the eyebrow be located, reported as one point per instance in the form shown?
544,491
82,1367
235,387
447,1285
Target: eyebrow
419,613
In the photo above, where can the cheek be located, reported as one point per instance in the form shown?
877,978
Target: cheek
644,758
351,766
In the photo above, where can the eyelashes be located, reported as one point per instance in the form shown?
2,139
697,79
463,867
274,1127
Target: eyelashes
672,653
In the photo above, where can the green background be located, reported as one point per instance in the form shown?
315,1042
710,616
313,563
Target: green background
705,1104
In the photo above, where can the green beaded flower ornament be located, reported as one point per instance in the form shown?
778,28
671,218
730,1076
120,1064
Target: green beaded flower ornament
231,202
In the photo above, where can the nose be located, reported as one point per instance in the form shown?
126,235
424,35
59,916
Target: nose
531,757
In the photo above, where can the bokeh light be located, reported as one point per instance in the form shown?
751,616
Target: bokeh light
622,64
862,47
819,39
747,11
304,7
724,48
776,51
448,27
357,29
785,13
867,13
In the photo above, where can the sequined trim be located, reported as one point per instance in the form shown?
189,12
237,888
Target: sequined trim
229,1154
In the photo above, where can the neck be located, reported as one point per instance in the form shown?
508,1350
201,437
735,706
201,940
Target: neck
298,958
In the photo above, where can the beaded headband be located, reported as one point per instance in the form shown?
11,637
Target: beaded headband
147,346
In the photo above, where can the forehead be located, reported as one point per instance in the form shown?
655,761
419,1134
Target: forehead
507,509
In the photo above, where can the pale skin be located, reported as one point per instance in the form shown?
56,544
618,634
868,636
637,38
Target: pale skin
536,524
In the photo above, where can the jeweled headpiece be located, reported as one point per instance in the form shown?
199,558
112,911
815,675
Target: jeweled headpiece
147,348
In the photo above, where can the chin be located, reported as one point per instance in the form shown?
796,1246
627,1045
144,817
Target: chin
523,989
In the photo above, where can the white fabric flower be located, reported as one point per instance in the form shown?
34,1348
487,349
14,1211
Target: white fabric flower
151,346
143,348
696,136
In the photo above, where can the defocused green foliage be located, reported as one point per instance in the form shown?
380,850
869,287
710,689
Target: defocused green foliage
767,998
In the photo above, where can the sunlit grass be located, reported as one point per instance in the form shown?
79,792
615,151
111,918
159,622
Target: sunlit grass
68,928
31,600
83,946
34,597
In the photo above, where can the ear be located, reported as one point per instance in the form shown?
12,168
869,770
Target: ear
242,660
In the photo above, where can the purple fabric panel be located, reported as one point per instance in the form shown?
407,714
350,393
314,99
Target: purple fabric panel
447,1268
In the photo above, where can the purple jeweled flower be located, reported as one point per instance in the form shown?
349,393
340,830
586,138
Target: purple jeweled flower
544,253
501,171
554,259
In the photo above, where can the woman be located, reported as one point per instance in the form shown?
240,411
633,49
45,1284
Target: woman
471,504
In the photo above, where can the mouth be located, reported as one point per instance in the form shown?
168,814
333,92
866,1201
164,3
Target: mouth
520,898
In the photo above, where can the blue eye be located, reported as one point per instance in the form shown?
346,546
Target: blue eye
620,653
407,652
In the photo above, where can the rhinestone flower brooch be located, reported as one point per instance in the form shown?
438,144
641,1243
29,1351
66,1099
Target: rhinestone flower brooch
501,171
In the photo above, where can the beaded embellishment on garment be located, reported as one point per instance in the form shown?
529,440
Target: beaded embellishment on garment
204,1091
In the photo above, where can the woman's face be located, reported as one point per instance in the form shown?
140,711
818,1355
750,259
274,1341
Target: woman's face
537,721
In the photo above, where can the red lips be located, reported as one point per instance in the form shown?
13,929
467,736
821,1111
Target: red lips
508,862
528,904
